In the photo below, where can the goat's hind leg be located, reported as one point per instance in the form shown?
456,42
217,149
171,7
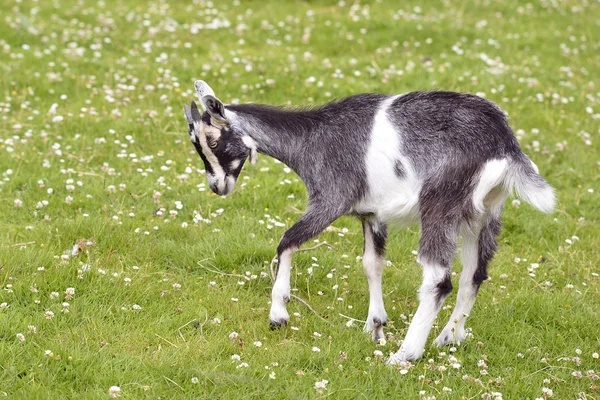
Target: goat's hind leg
375,233
436,251
478,248
308,226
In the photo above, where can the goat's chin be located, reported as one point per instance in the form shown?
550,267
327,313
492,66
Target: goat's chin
224,189
226,192
230,182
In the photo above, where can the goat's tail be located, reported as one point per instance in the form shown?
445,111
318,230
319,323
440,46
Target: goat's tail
522,176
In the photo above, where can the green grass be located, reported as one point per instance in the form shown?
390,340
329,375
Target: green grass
528,328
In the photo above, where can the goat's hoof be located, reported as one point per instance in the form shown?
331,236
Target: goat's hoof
402,356
378,337
448,336
276,324
375,326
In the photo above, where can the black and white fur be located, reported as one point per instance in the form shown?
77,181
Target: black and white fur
445,160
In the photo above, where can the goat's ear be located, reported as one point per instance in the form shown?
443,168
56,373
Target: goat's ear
214,107
194,113
188,115
202,89
209,101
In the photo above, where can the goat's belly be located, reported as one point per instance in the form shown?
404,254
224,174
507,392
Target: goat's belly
395,207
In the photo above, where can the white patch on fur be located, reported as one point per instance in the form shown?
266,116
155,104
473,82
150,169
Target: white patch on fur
535,167
373,267
234,164
491,176
390,197
414,343
251,144
281,289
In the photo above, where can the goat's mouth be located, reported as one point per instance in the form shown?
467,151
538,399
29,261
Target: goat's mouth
223,187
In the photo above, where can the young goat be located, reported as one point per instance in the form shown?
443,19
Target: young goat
445,160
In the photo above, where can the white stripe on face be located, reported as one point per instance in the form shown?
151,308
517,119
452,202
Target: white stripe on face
217,178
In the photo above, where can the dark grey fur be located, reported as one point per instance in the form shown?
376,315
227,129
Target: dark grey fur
378,231
324,146
487,248
399,169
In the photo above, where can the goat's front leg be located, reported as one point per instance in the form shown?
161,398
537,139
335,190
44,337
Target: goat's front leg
375,233
316,219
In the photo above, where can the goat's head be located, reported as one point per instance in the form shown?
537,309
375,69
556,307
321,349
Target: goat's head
222,150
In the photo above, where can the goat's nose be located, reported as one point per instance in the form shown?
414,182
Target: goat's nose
215,188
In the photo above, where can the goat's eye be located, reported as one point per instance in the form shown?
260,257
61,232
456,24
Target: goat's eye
213,144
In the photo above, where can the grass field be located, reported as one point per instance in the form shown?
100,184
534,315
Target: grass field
119,267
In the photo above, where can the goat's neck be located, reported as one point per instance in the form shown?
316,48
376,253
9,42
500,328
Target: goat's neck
280,134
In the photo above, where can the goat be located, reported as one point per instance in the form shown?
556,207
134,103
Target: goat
442,159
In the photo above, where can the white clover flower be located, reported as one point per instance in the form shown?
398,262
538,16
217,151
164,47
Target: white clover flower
21,337
114,392
195,380
321,385
547,392
69,293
